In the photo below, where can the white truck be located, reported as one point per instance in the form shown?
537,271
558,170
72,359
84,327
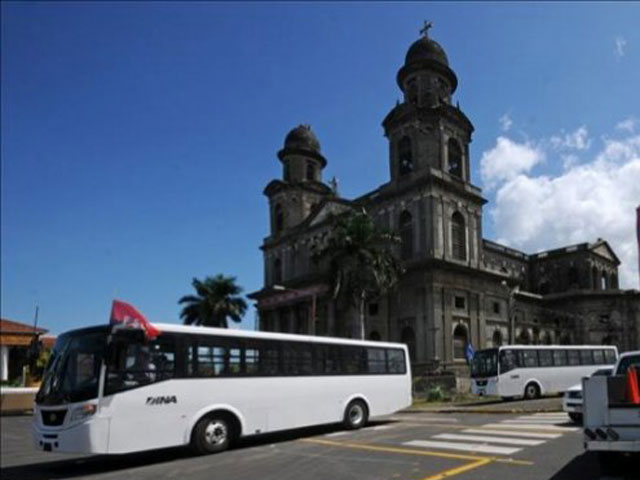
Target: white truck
611,418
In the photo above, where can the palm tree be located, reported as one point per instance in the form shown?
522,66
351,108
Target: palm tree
361,263
216,300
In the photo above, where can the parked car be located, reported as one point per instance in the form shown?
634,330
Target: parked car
572,400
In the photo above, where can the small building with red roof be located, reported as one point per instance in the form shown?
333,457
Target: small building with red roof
15,338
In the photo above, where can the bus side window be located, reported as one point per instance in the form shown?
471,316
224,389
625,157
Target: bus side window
545,358
598,357
560,358
163,357
269,359
396,362
251,359
376,360
353,360
574,357
508,360
586,356
610,356
530,358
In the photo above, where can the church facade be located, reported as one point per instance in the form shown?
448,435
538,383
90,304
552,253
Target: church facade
457,287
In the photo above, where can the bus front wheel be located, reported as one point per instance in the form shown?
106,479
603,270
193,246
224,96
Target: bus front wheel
212,434
355,415
531,391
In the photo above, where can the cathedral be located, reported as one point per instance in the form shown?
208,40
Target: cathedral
457,287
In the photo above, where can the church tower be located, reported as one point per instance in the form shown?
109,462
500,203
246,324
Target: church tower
429,141
292,198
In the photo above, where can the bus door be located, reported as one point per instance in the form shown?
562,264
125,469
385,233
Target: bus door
144,407
509,379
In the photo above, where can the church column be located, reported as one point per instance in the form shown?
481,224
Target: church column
4,363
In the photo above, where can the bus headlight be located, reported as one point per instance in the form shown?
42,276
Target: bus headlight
83,411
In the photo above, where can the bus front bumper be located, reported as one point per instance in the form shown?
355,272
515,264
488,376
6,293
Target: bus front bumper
91,436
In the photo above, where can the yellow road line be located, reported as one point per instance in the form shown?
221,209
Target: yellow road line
409,451
458,470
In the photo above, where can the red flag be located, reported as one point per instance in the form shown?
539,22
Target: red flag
127,315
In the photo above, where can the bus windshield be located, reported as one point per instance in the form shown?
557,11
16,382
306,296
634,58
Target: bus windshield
485,363
73,370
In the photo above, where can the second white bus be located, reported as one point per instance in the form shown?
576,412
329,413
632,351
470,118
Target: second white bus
113,392
531,371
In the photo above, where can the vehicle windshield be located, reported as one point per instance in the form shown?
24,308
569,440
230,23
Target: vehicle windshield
627,362
485,363
73,371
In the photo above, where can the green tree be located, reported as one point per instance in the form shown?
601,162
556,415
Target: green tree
217,299
361,263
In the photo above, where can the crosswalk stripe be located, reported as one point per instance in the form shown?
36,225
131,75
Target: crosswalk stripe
511,432
544,421
548,414
533,422
530,426
428,419
380,427
489,439
336,434
465,447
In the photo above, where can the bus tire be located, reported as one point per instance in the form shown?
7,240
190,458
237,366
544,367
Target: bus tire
609,461
355,415
575,417
532,390
212,434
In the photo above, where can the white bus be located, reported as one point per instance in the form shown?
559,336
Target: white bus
531,371
113,392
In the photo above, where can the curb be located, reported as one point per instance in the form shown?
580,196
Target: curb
479,410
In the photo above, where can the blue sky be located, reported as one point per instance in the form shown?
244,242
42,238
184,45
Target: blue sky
137,137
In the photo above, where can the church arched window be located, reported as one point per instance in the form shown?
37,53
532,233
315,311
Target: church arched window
614,281
497,338
454,158
460,341
405,155
603,281
311,171
279,217
277,271
408,337
406,235
412,91
458,237
573,277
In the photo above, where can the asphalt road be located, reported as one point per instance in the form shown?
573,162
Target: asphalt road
408,446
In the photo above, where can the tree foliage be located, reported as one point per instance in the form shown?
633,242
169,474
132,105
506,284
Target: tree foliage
217,299
360,260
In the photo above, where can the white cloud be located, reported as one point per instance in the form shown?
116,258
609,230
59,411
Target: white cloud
628,124
507,160
505,122
577,140
595,199
621,43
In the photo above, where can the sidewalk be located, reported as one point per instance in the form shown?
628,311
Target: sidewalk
547,404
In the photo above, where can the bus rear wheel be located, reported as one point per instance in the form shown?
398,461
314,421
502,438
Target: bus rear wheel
575,417
531,391
212,434
355,415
